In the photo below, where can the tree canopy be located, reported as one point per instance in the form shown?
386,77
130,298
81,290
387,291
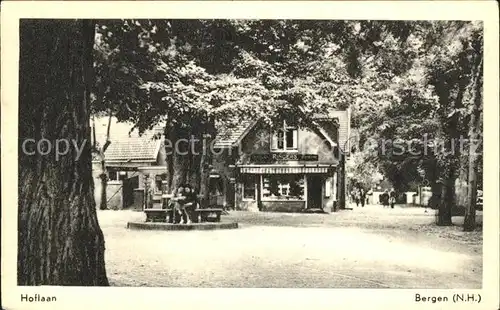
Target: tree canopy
407,83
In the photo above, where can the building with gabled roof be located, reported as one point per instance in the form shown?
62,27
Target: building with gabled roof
128,158
290,169
253,167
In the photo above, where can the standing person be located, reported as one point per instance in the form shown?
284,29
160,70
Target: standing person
384,199
362,196
356,196
368,195
392,198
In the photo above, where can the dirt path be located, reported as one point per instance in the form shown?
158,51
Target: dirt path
324,252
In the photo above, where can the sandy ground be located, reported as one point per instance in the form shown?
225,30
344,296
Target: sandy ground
369,247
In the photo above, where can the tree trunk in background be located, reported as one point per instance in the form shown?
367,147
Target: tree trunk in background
474,132
453,133
447,198
342,189
470,211
206,160
168,156
205,167
104,187
104,176
432,174
59,238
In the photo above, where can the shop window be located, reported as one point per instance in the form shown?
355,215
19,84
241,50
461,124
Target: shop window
283,187
285,139
249,188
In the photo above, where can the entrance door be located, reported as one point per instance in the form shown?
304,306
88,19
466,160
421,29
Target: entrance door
128,191
216,191
314,192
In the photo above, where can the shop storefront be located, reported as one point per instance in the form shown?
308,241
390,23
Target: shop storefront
287,186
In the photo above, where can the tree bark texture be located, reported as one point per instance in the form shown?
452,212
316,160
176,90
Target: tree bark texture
187,159
452,133
474,158
59,238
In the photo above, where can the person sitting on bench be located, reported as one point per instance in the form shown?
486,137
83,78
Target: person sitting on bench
184,203
178,206
189,203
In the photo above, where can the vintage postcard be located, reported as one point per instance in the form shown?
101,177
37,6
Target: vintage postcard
311,154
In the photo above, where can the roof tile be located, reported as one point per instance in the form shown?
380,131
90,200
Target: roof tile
126,145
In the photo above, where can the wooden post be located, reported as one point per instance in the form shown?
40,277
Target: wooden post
305,190
146,190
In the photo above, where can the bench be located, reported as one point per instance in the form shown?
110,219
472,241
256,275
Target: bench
206,215
199,215
156,215
157,211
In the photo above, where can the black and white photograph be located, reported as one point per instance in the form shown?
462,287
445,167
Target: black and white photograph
283,153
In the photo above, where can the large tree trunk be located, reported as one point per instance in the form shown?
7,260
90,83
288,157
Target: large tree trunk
452,132
176,162
189,163
181,163
474,131
59,238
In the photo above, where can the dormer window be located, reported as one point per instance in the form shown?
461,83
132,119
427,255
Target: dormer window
285,139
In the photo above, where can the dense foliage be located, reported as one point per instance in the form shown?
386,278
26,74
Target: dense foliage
412,86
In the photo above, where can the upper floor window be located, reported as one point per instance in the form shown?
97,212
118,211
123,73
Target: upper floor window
285,138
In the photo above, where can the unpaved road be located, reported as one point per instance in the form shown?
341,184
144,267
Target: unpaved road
362,248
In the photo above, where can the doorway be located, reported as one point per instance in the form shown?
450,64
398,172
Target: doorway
128,191
216,190
314,192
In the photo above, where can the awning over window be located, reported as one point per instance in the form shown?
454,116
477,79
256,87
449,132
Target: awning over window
284,170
